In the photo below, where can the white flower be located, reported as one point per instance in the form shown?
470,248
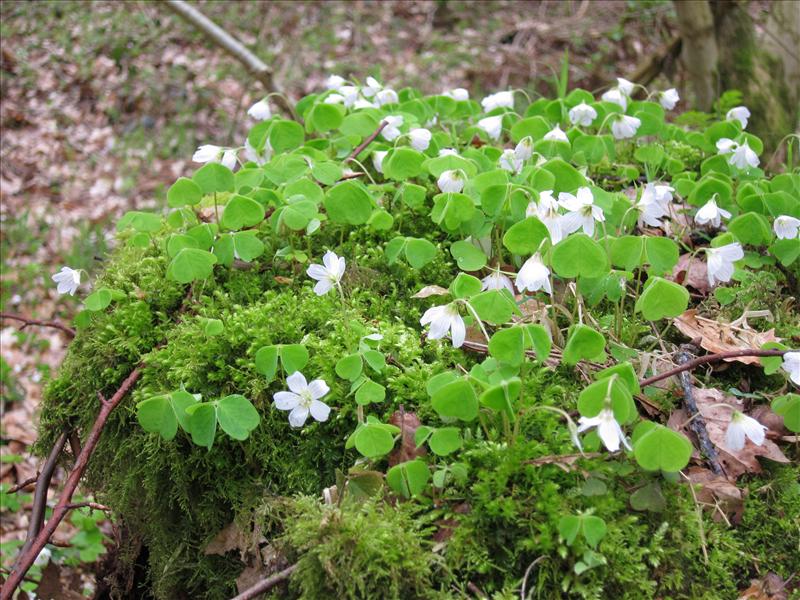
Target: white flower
44,557
663,194
392,130
615,96
448,152
652,207
364,103
372,87
623,126
334,99
608,429
534,275
229,158
334,82
377,159
583,212
669,98
328,274
350,94
743,157
791,364
68,280
740,426
386,96
303,399
786,227
459,94
739,113
420,139
207,153
725,145
720,262
625,86
711,213
582,114
253,156
443,319
509,161
547,211
493,126
452,181
260,110
524,149
497,281
556,135
498,100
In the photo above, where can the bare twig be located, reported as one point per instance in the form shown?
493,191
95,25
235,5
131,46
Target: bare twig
41,323
266,584
697,423
92,505
254,65
61,509
30,480
370,138
522,590
711,358
40,497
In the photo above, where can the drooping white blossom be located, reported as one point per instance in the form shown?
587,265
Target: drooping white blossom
350,95
377,159
392,130
207,153
67,280
260,110
420,139
448,152
652,206
524,149
608,429
452,181
739,113
556,135
625,86
458,94
719,262
710,213
582,114
582,211
229,158
328,274
509,161
498,100
791,364
743,157
372,87
444,319
548,213
534,275
615,96
334,99
334,82
669,98
386,96
493,126
624,126
497,281
786,227
303,399
741,427
260,158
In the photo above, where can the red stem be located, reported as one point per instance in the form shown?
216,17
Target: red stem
54,324
710,358
360,148
63,506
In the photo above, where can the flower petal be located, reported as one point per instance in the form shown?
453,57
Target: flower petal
286,400
318,389
320,410
297,382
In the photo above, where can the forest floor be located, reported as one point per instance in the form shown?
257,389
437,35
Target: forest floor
103,105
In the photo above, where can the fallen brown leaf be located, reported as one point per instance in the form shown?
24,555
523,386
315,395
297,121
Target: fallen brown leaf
770,587
716,336
692,272
408,423
718,492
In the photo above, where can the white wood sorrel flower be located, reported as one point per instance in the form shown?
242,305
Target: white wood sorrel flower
524,150
328,274
669,98
608,429
497,281
582,211
303,399
442,319
260,110
498,100
452,181
509,161
791,364
615,96
742,426
720,262
742,155
534,275
458,94
420,139
623,126
547,211
68,280
556,135
582,114
493,126
738,113
334,82
786,227
377,159
211,153
653,204
711,213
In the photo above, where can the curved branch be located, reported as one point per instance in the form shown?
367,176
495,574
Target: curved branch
27,321
710,358
266,584
370,138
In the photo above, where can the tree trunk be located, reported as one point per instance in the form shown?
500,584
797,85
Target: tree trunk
699,49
